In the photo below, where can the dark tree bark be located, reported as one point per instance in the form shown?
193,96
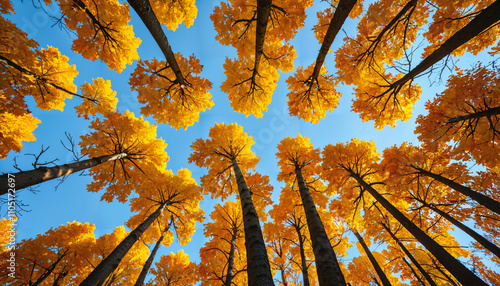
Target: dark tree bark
341,13
230,261
327,266
483,200
303,261
148,17
263,13
111,262
410,256
381,275
25,179
258,267
476,115
149,262
479,238
413,271
50,269
482,22
41,80
457,269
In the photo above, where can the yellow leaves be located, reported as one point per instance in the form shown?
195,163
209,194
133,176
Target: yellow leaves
226,143
297,153
309,98
167,100
455,115
103,31
182,196
340,160
175,269
376,100
100,91
250,92
54,69
173,12
122,133
14,129
449,19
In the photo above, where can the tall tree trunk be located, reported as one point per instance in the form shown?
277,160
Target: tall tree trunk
413,271
341,13
378,269
263,13
407,10
258,267
485,113
410,256
327,266
482,22
303,261
283,277
42,79
145,11
149,262
110,263
479,238
25,179
457,269
49,269
483,200
230,262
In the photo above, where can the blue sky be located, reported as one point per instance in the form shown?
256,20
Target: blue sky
50,208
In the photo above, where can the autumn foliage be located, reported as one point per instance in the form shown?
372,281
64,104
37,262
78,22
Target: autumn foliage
419,212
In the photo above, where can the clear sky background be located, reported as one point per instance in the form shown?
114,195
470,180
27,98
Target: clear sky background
71,202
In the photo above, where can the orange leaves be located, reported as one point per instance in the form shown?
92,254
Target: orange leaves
250,92
226,143
449,19
465,113
14,129
103,31
168,101
262,49
173,12
174,270
123,133
297,153
100,91
310,98
183,198
340,160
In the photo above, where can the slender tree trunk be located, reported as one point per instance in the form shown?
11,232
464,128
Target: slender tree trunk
42,79
50,269
482,22
149,262
263,13
25,179
148,17
413,271
230,262
258,267
408,8
483,200
327,266
378,269
410,256
110,263
479,238
283,277
485,113
457,269
303,261
341,13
